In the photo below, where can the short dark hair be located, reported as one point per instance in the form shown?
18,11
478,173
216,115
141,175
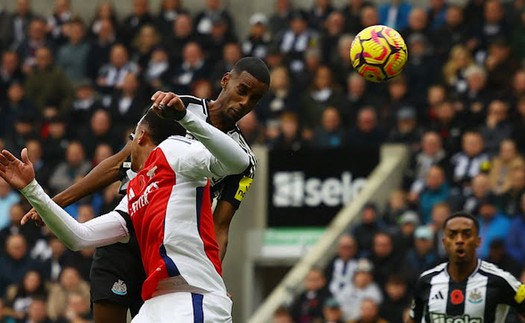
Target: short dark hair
462,214
254,66
160,129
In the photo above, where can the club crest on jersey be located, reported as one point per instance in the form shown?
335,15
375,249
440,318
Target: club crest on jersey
475,297
151,172
120,288
443,318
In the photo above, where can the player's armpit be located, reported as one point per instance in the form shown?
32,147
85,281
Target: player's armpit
99,177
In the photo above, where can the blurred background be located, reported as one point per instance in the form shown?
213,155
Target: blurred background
354,179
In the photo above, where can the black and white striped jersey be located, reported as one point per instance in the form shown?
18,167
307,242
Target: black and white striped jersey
234,187
484,297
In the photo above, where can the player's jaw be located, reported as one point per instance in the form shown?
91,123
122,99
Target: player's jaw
460,255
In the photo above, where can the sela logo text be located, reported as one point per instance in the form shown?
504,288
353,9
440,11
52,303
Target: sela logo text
293,189
443,318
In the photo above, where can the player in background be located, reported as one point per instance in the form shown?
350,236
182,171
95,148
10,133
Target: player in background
117,272
466,288
167,205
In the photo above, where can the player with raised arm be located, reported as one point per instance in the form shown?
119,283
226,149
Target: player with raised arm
465,289
167,205
117,274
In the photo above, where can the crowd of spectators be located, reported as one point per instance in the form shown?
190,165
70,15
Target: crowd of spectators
71,91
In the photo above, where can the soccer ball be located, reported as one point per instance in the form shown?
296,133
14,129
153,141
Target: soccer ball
378,53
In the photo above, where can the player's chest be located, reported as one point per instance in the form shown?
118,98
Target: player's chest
149,186
465,302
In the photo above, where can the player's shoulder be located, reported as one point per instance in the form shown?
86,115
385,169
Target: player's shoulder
434,271
492,271
187,99
174,143
196,105
237,135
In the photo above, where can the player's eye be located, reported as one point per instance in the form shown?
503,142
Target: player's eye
131,136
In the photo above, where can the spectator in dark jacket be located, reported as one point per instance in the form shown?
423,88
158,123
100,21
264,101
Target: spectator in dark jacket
308,307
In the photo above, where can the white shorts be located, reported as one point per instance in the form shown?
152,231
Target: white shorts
184,307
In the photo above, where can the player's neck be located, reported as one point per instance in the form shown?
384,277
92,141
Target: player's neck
216,116
461,272
143,156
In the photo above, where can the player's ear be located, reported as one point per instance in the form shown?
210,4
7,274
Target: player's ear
142,136
225,79
478,241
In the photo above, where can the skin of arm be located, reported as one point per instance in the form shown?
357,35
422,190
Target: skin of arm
105,173
222,217
99,177
103,230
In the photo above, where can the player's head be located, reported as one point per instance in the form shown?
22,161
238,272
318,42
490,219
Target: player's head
150,131
243,87
461,237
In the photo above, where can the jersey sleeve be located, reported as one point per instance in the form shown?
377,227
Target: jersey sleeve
226,157
512,292
233,188
418,302
100,231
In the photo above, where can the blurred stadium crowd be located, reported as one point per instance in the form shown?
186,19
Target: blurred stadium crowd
71,91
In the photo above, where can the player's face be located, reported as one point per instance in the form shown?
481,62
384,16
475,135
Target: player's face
461,240
241,92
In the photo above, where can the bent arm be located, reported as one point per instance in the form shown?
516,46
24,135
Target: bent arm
103,230
99,177
230,157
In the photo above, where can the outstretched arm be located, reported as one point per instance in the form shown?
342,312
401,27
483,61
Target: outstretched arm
99,177
230,157
104,230
105,173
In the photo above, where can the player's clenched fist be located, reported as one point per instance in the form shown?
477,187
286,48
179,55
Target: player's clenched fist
168,105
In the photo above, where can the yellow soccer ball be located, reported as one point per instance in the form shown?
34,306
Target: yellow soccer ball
378,53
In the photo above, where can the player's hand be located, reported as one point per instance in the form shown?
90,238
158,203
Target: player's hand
18,173
164,98
170,106
32,215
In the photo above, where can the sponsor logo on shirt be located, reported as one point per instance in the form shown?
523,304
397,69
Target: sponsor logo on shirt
244,185
443,318
439,295
120,288
143,199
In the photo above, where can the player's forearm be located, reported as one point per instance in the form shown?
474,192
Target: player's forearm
222,217
100,231
99,177
224,148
